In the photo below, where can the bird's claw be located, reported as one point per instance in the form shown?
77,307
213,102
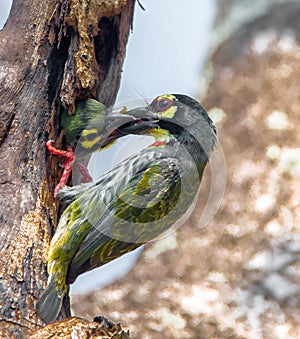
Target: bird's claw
69,155
86,178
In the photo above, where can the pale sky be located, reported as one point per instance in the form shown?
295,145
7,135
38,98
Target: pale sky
167,48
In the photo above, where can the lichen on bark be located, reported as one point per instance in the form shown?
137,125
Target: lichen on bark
84,18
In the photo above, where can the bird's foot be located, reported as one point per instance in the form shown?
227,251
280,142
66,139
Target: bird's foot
69,159
84,172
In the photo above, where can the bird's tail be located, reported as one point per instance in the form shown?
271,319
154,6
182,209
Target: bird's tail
49,305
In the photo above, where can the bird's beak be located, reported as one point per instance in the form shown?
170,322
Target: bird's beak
143,113
136,121
143,120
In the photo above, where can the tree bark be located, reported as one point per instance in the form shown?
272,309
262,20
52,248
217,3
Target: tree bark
51,53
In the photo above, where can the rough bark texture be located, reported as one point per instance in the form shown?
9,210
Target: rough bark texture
51,52
78,328
238,277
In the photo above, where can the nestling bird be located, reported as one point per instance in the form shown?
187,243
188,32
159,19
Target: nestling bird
134,202
91,128
94,126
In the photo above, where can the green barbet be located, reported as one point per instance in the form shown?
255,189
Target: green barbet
91,128
136,201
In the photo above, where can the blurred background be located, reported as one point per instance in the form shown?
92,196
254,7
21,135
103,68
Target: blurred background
239,276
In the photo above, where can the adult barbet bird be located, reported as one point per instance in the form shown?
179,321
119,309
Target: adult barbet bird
133,203
91,128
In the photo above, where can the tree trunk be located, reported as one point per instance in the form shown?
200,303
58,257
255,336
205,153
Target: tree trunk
51,53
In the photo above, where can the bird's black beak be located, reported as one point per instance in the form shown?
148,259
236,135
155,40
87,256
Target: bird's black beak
143,120
144,113
136,121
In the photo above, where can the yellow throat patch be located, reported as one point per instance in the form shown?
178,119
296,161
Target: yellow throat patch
159,134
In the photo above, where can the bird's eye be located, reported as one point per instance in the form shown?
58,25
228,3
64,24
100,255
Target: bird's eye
163,104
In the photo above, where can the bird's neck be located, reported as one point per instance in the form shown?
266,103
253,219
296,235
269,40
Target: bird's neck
196,148
161,135
199,150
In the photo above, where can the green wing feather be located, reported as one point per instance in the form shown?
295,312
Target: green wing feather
89,202
126,222
150,203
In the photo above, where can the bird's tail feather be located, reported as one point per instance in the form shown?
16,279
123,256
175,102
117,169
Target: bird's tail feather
49,305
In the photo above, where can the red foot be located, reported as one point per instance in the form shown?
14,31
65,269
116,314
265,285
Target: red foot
69,155
84,172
